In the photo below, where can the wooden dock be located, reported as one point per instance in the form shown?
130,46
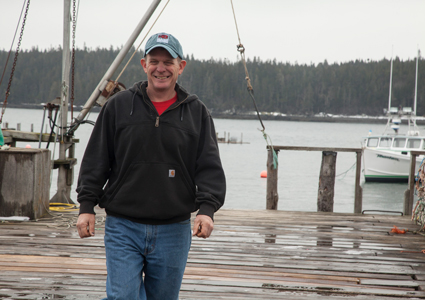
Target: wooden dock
251,255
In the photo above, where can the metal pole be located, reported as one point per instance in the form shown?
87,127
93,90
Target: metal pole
120,57
64,191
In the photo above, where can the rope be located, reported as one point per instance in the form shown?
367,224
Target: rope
13,41
345,173
241,49
15,60
63,207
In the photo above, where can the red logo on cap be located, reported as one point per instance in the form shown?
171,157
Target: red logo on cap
163,36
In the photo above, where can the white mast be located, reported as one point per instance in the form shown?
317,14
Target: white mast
391,83
416,84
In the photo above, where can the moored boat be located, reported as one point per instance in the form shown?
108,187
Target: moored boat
386,157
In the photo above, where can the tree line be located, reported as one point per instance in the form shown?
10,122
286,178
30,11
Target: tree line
355,87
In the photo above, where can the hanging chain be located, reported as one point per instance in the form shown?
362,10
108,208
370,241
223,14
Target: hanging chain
241,50
74,25
14,62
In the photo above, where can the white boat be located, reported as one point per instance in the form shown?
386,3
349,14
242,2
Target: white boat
386,157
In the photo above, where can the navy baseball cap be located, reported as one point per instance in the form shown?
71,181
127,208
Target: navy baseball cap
166,41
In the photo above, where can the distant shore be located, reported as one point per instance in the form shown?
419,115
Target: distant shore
329,118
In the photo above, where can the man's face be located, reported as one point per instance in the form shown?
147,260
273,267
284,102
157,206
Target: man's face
162,70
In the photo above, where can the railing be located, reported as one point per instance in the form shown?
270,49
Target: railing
326,180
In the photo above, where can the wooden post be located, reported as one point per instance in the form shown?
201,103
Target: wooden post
18,126
32,127
272,195
358,191
408,194
325,196
24,182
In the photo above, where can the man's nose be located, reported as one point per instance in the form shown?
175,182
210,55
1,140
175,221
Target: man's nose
161,67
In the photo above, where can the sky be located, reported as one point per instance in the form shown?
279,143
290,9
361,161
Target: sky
294,31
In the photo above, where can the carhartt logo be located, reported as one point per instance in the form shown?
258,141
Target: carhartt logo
171,173
162,38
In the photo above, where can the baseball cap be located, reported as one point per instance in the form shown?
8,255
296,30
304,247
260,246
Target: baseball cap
166,41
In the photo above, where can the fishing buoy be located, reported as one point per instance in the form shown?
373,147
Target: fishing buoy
263,174
28,146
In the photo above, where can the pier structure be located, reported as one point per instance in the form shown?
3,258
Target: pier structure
252,254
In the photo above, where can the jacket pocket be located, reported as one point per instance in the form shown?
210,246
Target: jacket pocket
153,190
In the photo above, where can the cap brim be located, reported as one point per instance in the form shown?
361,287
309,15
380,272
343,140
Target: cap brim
171,51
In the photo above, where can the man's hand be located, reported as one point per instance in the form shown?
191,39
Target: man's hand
203,226
85,225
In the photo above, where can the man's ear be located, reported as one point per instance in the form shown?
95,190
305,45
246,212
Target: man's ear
182,65
143,63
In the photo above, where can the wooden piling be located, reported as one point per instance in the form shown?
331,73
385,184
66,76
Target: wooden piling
358,190
272,195
24,182
325,196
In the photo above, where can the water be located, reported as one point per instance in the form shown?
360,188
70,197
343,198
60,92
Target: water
298,172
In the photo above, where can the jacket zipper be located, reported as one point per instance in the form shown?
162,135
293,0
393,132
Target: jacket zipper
157,117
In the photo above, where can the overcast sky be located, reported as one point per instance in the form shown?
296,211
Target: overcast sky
303,31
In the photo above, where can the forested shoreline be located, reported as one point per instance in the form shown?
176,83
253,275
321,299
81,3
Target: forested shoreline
352,88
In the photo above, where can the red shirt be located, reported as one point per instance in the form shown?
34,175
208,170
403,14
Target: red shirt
162,106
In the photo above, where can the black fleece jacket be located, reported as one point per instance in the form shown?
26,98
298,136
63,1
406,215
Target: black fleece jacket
148,168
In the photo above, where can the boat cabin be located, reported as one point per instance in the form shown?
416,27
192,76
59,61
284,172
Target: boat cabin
395,143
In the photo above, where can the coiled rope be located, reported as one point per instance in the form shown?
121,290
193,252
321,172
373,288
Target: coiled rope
241,50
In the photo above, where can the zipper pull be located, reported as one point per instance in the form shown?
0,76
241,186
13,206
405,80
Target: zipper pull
157,122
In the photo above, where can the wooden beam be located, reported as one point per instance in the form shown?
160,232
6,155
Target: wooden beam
331,149
25,136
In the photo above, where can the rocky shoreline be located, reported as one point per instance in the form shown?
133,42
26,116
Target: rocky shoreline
272,116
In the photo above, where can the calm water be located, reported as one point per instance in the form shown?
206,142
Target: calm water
298,170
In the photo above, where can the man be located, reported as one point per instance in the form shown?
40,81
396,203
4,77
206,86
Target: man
151,161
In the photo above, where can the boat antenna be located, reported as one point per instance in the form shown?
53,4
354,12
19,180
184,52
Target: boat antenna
241,50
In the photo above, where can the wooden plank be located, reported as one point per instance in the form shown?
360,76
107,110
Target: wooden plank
303,148
251,255
29,136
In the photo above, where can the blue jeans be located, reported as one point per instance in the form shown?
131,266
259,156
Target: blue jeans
158,251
